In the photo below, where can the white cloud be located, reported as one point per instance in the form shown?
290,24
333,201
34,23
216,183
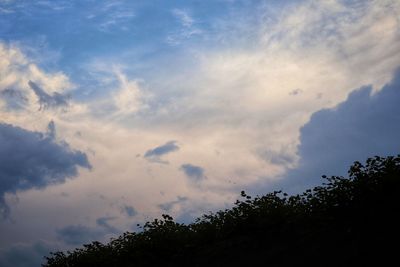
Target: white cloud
115,95
325,48
17,70
128,97
235,111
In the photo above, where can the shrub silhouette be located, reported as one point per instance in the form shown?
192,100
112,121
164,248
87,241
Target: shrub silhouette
344,222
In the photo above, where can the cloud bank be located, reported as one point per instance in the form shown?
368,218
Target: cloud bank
365,125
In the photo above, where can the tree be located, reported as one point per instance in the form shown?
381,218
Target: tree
349,221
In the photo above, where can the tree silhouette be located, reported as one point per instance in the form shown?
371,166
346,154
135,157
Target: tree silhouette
349,221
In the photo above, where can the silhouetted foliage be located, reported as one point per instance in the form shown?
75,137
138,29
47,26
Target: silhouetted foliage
344,222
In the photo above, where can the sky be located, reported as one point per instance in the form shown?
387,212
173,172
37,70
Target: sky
115,112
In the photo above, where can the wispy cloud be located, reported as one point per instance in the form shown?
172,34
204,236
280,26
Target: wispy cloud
112,15
129,97
184,18
187,29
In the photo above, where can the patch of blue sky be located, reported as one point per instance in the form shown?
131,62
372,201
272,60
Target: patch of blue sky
86,29
142,35
122,31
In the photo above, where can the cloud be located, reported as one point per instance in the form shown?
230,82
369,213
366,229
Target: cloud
51,130
47,100
240,98
31,159
14,99
22,255
295,92
187,27
104,223
185,19
128,98
168,206
281,157
17,86
112,16
155,154
227,95
130,211
114,95
79,234
365,125
5,10
194,173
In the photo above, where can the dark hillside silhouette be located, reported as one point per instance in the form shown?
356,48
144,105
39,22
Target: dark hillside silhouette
350,221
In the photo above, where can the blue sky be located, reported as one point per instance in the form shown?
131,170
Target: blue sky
114,112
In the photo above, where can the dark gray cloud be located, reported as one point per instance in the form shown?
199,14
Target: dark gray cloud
363,126
130,211
46,100
155,154
31,159
79,234
194,173
169,205
51,130
104,223
23,255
